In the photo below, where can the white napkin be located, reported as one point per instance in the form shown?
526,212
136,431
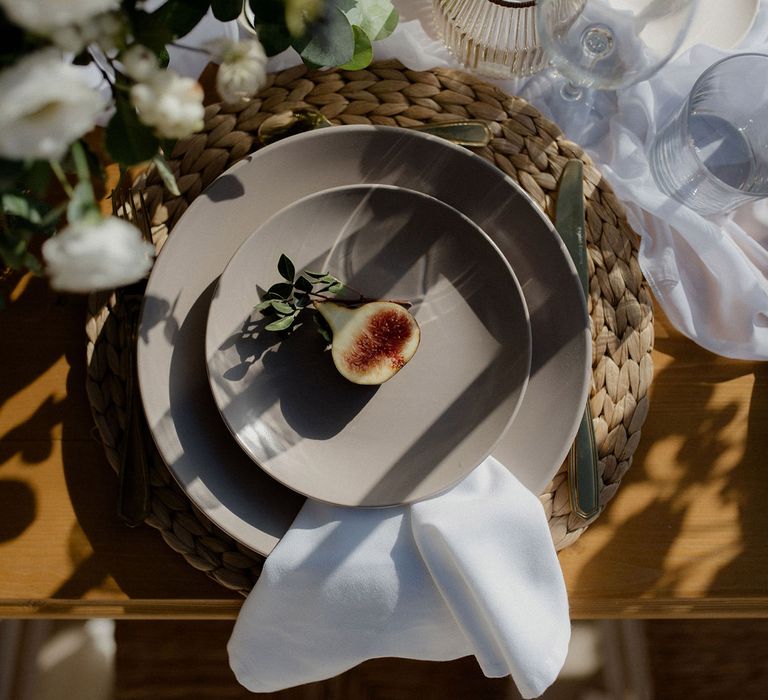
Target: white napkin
472,571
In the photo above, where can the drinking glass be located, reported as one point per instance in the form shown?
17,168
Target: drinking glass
712,155
493,37
597,46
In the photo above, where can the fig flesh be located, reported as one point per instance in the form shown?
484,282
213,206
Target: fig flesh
371,342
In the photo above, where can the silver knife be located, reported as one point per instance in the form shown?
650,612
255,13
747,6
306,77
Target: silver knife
569,222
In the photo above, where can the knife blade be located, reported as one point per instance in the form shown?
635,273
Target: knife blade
569,222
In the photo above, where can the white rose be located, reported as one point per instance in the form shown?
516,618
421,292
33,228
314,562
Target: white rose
139,63
104,30
171,104
46,104
46,16
86,257
243,69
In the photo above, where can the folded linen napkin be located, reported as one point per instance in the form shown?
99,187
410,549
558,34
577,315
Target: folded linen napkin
471,571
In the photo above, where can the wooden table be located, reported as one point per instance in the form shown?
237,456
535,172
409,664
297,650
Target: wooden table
685,536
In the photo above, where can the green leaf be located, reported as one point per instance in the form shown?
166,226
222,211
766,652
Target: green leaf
377,18
282,307
128,141
22,207
266,304
322,327
38,177
330,280
389,26
10,172
337,288
281,290
282,323
173,19
267,11
13,248
286,268
363,50
274,38
166,175
303,284
181,16
302,301
315,275
329,42
226,10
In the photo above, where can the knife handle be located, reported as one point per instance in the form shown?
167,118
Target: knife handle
582,469
467,132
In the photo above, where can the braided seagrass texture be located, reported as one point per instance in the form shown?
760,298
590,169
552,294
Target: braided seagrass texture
526,146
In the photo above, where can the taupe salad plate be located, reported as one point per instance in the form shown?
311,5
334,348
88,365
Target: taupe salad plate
431,423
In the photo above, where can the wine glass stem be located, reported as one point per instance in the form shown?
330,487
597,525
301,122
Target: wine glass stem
571,91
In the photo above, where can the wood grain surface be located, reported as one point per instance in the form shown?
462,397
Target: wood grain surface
685,535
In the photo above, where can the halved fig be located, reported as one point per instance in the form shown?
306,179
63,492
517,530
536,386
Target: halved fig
371,342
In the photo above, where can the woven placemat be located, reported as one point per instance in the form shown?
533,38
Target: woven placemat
526,146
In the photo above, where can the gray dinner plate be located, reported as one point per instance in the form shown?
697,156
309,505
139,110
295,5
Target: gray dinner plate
219,478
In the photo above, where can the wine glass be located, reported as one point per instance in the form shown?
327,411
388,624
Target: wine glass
597,46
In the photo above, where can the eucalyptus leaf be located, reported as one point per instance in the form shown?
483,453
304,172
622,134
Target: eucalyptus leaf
389,25
363,50
302,301
377,18
329,42
286,268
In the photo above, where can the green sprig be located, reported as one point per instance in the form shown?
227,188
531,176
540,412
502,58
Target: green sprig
286,300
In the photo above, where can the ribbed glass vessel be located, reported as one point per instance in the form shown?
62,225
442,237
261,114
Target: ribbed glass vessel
496,38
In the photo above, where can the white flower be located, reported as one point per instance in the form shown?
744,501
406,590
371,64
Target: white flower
46,104
173,105
46,16
243,69
139,63
104,30
86,257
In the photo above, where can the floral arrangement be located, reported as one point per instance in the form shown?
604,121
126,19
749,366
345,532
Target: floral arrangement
52,109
